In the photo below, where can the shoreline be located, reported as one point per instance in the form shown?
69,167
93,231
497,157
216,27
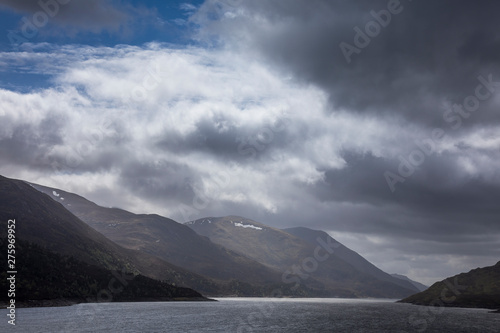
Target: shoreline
61,302
457,306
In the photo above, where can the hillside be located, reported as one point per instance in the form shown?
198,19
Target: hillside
418,285
41,221
236,255
46,277
283,251
479,288
350,256
235,273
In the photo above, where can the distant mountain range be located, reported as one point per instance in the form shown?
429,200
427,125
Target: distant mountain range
190,248
226,272
307,257
353,258
216,256
418,285
479,288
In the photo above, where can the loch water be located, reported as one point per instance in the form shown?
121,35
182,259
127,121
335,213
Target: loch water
253,315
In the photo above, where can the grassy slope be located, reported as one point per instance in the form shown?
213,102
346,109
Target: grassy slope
479,288
42,221
168,240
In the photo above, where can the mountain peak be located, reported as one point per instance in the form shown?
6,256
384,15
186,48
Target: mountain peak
342,272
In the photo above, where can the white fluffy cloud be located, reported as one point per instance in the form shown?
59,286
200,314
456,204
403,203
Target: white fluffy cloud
193,132
129,106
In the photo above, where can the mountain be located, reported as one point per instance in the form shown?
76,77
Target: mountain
240,256
175,243
41,221
418,285
350,256
303,258
479,288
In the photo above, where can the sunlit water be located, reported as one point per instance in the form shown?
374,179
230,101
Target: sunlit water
253,315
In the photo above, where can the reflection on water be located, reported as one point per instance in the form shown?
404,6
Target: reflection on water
253,315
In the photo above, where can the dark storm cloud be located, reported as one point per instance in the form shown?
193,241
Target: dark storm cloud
28,144
441,199
159,181
218,136
407,76
429,52
50,142
440,207
211,136
92,15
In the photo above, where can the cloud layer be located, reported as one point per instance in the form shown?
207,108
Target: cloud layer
412,58
394,152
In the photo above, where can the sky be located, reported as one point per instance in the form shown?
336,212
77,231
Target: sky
376,121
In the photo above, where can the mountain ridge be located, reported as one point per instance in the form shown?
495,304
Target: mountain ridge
284,251
349,256
45,223
418,285
173,242
277,257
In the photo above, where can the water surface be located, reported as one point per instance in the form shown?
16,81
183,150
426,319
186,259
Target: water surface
253,315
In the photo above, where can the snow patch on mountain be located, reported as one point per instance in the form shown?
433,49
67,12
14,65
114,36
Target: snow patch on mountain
198,222
239,224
